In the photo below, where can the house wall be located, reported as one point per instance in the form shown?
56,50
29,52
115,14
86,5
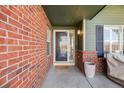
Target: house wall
110,15
79,46
23,47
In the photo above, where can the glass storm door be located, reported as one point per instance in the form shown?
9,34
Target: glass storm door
63,46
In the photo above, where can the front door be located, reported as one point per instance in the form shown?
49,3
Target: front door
64,47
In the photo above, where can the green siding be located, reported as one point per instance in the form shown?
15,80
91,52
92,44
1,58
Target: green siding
110,15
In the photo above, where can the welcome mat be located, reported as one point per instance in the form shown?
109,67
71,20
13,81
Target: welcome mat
62,67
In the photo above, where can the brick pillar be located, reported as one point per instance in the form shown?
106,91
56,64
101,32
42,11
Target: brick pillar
91,56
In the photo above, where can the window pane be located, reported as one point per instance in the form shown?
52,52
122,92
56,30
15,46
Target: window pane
107,47
48,41
106,35
106,41
115,40
61,46
48,35
123,40
48,48
71,51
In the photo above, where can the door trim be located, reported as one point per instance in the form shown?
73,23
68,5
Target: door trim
54,50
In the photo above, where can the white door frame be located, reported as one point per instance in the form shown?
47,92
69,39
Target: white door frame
54,50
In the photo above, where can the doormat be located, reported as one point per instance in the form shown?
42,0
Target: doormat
62,67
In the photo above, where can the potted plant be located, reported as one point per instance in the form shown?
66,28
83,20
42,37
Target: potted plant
89,68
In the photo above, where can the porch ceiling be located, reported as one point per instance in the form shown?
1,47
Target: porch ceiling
70,15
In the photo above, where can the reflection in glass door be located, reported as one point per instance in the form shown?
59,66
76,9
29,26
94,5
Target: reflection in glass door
71,46
64,46
61,46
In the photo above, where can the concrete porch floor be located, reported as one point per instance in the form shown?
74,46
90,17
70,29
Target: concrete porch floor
71,77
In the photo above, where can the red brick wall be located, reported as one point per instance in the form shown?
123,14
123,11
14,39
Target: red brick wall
79,62
23,49
85,56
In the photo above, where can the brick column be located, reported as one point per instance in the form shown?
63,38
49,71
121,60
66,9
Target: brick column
91,56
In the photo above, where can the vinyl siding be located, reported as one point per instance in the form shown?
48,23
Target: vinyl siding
110,15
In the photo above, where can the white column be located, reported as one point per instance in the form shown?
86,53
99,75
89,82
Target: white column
84,34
